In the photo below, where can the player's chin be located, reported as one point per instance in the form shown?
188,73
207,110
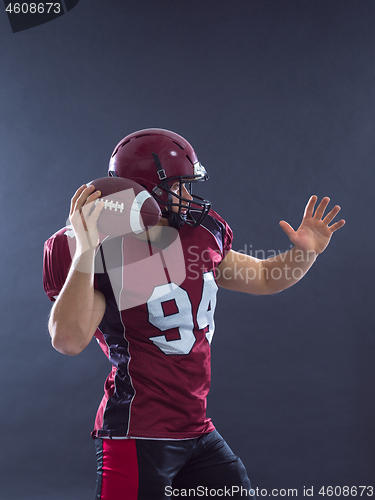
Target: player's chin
180,211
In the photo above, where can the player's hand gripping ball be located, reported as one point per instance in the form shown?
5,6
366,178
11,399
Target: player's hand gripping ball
128,208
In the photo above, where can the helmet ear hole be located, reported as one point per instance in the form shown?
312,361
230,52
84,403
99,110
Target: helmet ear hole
157,191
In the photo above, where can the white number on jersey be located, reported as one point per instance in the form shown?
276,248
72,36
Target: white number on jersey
206,309
183,319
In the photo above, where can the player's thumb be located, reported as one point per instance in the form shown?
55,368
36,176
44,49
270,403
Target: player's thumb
287,228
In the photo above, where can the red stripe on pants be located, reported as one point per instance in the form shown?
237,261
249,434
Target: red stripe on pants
120,470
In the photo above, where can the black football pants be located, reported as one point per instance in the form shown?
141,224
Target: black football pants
145,469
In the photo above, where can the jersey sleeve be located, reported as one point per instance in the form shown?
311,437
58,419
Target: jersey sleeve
56,263
227,233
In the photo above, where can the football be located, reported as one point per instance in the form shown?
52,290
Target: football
128,207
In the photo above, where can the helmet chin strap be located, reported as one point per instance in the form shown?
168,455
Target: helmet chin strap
173,218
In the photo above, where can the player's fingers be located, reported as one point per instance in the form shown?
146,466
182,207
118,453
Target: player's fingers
90,211
83,196
93,197
75,197
88,207
309,210
337,225
332,214
96,212
80,209
321,207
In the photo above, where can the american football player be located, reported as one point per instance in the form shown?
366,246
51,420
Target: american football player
149,300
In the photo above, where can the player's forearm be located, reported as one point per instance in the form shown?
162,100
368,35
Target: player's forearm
244,273
70,323
286,269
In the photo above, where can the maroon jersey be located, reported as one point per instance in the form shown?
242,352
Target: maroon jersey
157,327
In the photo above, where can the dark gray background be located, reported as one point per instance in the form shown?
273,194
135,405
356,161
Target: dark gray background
278,99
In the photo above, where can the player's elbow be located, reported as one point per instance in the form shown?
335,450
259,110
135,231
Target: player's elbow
64,342
66,348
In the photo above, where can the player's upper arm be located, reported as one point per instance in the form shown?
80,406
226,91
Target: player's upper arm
242,273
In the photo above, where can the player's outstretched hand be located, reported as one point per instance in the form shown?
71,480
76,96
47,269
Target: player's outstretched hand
314,233
84,215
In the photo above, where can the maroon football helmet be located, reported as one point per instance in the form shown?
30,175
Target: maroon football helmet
157,159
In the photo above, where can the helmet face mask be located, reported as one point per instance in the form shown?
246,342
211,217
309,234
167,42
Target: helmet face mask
190,211
159,160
